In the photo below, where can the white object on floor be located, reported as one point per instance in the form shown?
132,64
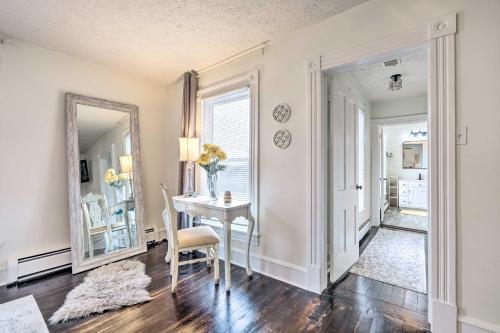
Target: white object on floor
108,287
21,315
395,257
413,212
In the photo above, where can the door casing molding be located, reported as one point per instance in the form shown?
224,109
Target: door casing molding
439,34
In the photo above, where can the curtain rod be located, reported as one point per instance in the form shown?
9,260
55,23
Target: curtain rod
260,46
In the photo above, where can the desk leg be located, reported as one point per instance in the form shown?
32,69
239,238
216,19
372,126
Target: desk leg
251,224
169,254
227,252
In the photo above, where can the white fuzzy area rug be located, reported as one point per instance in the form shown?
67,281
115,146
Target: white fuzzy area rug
395,257
106,288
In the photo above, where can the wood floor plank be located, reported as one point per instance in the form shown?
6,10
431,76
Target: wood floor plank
398,295
410,300
256,304
386,293
422,303
364,321
374,289
360,284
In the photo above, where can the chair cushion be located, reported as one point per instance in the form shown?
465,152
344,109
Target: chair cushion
197,236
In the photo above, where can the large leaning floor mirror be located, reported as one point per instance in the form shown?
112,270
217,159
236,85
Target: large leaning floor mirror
105,194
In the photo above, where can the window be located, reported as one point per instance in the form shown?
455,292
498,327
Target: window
226,122
127,143
228,117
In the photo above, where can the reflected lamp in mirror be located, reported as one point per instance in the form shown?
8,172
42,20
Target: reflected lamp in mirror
189,149
126,172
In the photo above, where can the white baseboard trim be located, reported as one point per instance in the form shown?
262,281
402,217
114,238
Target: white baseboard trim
294,275
473,325
162,235
314,279
444,317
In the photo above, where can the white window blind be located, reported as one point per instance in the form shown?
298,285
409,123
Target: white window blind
226,122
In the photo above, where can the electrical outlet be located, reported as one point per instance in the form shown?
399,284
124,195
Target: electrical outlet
462,135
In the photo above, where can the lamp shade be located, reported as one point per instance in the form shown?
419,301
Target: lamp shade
189,149
125,163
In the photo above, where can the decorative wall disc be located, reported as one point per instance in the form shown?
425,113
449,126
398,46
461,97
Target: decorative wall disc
282,138
281,113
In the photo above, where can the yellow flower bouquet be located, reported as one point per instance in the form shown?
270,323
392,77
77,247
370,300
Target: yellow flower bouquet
111,178
211,160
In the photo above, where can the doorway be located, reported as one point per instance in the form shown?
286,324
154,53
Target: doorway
402,157
389,89
439,34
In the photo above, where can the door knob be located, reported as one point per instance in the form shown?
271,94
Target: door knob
359,187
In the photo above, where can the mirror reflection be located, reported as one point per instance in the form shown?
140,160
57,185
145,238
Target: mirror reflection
415,155
106,180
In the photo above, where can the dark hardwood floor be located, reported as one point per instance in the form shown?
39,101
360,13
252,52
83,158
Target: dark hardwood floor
257,304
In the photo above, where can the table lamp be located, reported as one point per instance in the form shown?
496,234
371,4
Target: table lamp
189,149
126,171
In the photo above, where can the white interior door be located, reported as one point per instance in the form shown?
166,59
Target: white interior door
383,175
378,182
344,197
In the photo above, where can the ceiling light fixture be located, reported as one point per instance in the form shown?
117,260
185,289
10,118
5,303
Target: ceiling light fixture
395,83
392,63
418,133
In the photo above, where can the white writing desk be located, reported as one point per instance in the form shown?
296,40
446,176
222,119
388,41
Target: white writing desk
226,214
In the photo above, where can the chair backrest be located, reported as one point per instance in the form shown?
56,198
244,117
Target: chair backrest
95,210
169,217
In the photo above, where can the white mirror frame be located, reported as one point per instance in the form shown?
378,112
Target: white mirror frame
78,262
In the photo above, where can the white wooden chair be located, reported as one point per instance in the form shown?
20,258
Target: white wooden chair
187,240
96,215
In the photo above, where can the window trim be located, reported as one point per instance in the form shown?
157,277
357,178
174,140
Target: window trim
250,80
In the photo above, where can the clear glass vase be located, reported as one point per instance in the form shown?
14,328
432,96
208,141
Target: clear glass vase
213,185
120,194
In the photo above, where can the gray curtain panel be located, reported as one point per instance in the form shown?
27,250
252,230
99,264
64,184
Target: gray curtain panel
188,129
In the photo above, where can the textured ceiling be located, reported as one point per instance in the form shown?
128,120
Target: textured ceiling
374,79
159,39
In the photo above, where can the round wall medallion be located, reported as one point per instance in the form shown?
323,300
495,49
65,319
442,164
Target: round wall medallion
281,113
282,138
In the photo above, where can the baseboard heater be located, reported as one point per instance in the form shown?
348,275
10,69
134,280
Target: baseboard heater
150,234
37,266
363,225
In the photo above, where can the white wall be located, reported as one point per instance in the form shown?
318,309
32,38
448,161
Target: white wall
394,136
33,180
400,107
283,71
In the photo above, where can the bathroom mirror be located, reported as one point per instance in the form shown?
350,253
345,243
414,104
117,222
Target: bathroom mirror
105,193
415,155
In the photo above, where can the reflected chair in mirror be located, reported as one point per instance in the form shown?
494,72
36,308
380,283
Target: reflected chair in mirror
96,215
202,237
123,224
98,222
